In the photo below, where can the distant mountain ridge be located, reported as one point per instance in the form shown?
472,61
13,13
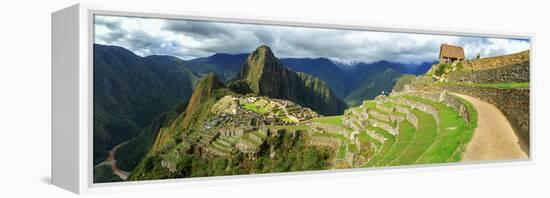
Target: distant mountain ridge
225,66
342,80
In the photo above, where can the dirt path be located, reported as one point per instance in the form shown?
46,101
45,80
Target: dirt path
494,138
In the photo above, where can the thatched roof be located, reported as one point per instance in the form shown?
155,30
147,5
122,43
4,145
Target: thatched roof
451,51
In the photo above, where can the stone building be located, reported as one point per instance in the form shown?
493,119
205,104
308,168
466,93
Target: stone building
450,53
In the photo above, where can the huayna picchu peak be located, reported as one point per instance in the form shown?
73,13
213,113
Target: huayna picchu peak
266,76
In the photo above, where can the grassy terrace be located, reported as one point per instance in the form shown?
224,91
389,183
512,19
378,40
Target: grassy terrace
403,139
453,136
248,139
495,85
291,127
386,146
371,105
217,145
255,108
366,138
392,124
336,120
342,149
424,137
333,135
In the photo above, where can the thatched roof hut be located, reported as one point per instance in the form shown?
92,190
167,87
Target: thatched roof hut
450,53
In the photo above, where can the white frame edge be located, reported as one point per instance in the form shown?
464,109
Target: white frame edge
72,101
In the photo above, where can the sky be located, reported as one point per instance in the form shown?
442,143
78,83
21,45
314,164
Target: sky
189,39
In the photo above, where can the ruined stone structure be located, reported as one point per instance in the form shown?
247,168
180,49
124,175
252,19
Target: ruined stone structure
317,140
385,126
506,74
445,98
497,61
422,107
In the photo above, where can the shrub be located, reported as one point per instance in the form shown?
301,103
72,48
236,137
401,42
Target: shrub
441,69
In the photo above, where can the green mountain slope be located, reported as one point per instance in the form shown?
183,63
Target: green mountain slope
186,123
373,83
131,91
266,76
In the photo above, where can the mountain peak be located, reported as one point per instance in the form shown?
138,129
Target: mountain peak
265,75
260,64
203,91
263,51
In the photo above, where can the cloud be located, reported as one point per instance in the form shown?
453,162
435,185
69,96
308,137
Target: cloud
189,39
111,24
198,29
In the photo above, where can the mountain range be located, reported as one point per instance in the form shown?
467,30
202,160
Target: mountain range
352,83
135,96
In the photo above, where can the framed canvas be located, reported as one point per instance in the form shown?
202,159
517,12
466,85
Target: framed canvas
166,98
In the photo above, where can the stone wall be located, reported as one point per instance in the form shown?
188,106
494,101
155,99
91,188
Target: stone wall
412,119
506,74
385,109
447,99
422,107
410,116
385,126
375,135
514,103
497,61
396,118
325,141
459,106
380,116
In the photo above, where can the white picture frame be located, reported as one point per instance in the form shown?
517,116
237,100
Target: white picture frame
72,100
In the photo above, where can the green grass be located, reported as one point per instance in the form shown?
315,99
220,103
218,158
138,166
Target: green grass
403,139
220,147
392,124
287,119
255,108
449,144
353,148
364,138
291,127
441,69
494,85
247,138
333,135
342,151
335,120
386,147
370,104
424,137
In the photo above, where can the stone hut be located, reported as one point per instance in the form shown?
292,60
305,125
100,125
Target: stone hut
450,53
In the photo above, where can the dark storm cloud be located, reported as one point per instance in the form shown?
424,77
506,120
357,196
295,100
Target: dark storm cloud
197,29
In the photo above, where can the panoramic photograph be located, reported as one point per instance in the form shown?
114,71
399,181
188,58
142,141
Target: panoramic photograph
179,98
